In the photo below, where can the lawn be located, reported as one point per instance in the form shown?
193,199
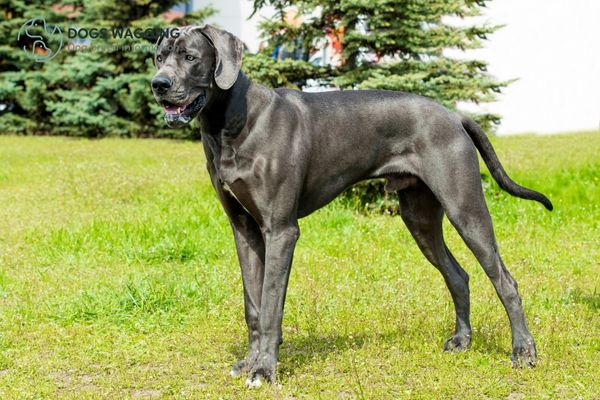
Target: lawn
118,279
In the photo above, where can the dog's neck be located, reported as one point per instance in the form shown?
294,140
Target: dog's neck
225,114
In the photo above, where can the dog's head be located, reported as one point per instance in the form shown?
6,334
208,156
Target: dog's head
191,68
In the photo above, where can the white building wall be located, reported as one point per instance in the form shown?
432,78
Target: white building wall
553,48
233,16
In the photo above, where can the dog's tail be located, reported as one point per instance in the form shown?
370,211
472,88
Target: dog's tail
490,158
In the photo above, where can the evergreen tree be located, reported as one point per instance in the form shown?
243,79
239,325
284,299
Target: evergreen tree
102,88
390,44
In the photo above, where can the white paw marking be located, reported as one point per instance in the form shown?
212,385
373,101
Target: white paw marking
256,383
234,373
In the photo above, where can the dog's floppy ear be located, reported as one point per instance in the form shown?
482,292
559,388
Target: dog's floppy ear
228,55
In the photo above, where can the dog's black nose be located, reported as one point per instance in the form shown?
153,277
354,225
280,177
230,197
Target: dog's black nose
161,84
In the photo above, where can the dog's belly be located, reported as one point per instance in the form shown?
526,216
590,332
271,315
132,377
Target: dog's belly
399,172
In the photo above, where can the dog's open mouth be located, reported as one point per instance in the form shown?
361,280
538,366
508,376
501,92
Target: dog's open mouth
179,115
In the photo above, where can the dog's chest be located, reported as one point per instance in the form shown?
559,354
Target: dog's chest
227,189
226,167
239,176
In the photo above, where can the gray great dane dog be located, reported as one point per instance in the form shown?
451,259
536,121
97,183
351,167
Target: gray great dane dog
275,156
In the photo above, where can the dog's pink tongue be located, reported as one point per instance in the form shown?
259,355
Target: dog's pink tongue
174,109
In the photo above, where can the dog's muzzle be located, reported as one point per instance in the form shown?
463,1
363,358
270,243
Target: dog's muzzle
177,116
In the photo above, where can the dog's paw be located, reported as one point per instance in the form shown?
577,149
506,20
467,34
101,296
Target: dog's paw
524,354
242,367
253,383
458,343
262,371
239,368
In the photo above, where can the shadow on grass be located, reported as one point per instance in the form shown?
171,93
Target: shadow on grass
491,342
298,351
591,300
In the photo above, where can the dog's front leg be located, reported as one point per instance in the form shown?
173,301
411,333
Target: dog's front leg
250,248
280,244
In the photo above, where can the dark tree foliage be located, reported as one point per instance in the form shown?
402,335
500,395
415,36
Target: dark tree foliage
85,92
407,37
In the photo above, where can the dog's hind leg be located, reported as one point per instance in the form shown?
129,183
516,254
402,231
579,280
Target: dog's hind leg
456,182
423,216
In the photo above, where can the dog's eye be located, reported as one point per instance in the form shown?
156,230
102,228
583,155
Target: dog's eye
159,58
190,58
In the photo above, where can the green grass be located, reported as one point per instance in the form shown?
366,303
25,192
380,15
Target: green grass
118,279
